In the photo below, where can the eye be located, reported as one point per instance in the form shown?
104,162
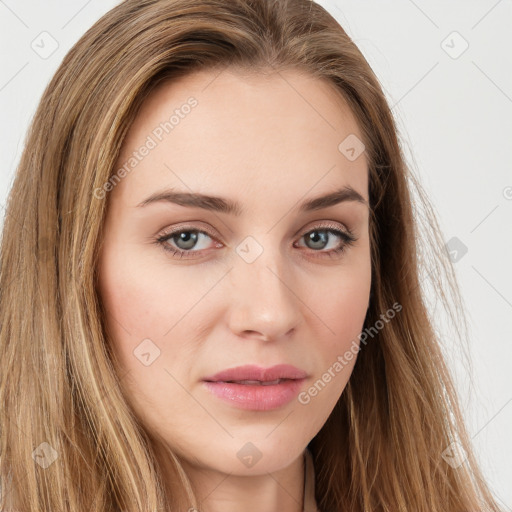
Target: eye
188,241
184,241
320,237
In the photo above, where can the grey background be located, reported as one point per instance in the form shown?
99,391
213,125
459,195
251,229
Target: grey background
453,105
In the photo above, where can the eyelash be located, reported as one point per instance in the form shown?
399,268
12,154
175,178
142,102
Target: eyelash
347,237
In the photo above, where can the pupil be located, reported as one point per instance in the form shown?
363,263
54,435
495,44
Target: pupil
315,236
189,238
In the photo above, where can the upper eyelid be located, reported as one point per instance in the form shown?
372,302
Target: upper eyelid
302,232
188,227
320,225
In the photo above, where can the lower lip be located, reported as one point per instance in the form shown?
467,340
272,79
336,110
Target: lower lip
256,397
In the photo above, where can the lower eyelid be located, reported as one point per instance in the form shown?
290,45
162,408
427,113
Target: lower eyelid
166,238
346,239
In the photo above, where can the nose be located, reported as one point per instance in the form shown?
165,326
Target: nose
264,297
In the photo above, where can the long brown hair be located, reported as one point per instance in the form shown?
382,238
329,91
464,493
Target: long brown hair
62,404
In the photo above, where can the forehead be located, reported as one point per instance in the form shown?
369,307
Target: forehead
245,132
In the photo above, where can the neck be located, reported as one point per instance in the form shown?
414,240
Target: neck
280,491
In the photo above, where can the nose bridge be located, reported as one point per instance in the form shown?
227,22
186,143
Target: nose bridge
263,297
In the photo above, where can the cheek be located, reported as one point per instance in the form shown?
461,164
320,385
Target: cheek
142,300
131,308
126,299
150,309
140,309
344,305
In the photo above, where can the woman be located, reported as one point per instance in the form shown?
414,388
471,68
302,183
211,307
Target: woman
219,261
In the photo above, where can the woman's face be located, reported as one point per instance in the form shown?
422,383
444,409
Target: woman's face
258,284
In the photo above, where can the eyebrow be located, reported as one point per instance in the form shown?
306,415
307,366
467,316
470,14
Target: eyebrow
222,205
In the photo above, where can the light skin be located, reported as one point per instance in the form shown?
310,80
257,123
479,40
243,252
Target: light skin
269,143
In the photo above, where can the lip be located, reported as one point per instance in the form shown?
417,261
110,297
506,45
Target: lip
253,372
256,397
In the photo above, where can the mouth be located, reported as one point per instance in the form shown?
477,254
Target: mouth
253,374
256,388
252,382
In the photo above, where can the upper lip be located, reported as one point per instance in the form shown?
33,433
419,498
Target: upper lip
252,372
